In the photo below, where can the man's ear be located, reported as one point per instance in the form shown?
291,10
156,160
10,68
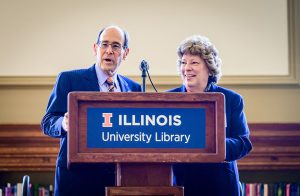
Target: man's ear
125,53
95,47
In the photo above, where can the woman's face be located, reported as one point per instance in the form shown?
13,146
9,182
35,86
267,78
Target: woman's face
194,73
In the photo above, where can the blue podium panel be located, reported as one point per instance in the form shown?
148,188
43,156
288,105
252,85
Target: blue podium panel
146,128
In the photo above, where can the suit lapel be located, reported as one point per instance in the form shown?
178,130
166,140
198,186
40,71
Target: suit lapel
182,89
91,77
123,84
212,88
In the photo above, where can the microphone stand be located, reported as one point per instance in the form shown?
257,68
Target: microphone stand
144,80
144,67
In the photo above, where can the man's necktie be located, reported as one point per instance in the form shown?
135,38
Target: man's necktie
111,85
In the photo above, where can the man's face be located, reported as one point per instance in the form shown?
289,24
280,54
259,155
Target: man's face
110,52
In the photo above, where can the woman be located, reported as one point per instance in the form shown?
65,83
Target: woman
200,69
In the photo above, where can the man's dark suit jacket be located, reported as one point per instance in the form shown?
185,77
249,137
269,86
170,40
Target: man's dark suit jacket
88,179
219,178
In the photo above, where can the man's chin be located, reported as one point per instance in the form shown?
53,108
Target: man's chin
109,72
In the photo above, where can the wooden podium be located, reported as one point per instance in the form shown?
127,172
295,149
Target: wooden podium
145,168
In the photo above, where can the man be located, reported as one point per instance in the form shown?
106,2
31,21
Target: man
110,50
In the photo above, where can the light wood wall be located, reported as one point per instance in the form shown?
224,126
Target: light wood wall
26,80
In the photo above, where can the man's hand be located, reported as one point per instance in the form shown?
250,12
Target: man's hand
65,122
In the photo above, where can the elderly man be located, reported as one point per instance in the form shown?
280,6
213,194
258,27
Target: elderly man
110,49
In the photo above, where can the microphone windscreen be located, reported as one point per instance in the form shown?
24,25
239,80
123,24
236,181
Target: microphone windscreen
144,65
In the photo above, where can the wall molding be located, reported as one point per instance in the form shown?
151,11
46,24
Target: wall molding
44,81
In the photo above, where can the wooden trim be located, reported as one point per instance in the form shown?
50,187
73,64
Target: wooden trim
276,146
26,148
144,190
161,81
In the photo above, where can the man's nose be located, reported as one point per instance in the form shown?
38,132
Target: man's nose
109,49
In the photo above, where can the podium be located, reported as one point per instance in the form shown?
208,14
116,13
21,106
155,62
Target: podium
143,134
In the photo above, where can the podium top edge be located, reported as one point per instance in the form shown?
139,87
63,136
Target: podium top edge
151,96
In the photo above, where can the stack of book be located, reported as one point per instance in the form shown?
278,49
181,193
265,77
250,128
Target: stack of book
272,189
17,190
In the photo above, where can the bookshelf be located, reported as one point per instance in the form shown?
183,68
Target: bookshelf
24,149
275,147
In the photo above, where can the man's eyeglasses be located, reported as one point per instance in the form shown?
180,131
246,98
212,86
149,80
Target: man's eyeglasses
116,47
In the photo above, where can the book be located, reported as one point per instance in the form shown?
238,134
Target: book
271,189
266,190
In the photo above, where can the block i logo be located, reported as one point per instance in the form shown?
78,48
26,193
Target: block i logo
107,119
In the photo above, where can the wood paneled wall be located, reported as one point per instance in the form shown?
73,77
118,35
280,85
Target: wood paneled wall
275,147
26,148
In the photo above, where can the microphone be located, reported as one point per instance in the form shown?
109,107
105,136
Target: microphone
144,67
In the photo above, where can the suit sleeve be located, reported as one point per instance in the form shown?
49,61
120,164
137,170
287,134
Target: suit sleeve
238,143
57,106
